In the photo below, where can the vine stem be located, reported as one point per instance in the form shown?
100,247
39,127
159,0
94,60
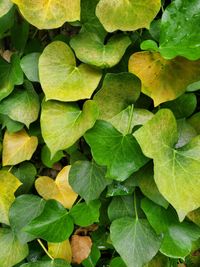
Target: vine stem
45,250
135,206
130,121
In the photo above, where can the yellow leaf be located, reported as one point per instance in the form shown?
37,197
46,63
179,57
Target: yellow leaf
163,80
81,248
61,250
8,185
49,14
59,189
18,147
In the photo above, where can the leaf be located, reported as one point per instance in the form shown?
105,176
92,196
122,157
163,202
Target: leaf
49,14
159,261
12,251
180,17
120,153
122,88
117,262
53,224
11,74
61,79
86,214
194,121
185,133
81,248
12,126
59,189
88,179
134,240
5,6
194,216
8,185
138,14
62,124
46,157
173,168
61,250
22,105
53,263
7,21
29,64
18,147
93,258
23,210
163,80
90,49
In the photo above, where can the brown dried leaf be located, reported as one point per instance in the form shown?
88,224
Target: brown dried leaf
81,248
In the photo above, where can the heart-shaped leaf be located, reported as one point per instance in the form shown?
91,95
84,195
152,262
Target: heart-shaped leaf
120,153
12,251
134,240
139,14
176,171
5,6
63,124
8,185
59,189
61,79
18,147
53,224
49,14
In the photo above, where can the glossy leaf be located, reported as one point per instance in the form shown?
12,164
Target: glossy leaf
61,79
163,80
138,14
59,189
120,153
8,185
48,15
62,124
18,147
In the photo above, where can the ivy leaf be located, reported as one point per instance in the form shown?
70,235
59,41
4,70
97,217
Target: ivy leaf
90,49
117,262
8,185
18,147
49,15
23,210
194,216
61,79
61,250
12,251
52,263
5,6
185,133
22,105
53,224
59,189
11,74
138,14
134,240
46,157
88,179
173,168
29,64
62,124
163,80
120,153
179,34
194,121
12,126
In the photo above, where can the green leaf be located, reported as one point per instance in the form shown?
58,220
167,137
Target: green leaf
117,262
138,14
88,179
159,261
120,153
176,171
5,6
45,263
61,79
11,74
19,35
22,105
194,121
7,22
53,224
29,64
90,49
62,124
119,189
85,214
194,216
93,257
121,206
12,126
24,209
185,133
46,157
12,251
179,30
123,89
134,240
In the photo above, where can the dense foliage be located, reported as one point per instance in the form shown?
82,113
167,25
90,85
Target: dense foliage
100,133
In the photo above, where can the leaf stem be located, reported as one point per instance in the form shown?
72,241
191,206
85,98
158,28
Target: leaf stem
128,131
45,250
135,206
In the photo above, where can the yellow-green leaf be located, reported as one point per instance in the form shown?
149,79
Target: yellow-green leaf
61,79
5,6
162,79
61,250
49,14
18,147
59,189
127,15
8,185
